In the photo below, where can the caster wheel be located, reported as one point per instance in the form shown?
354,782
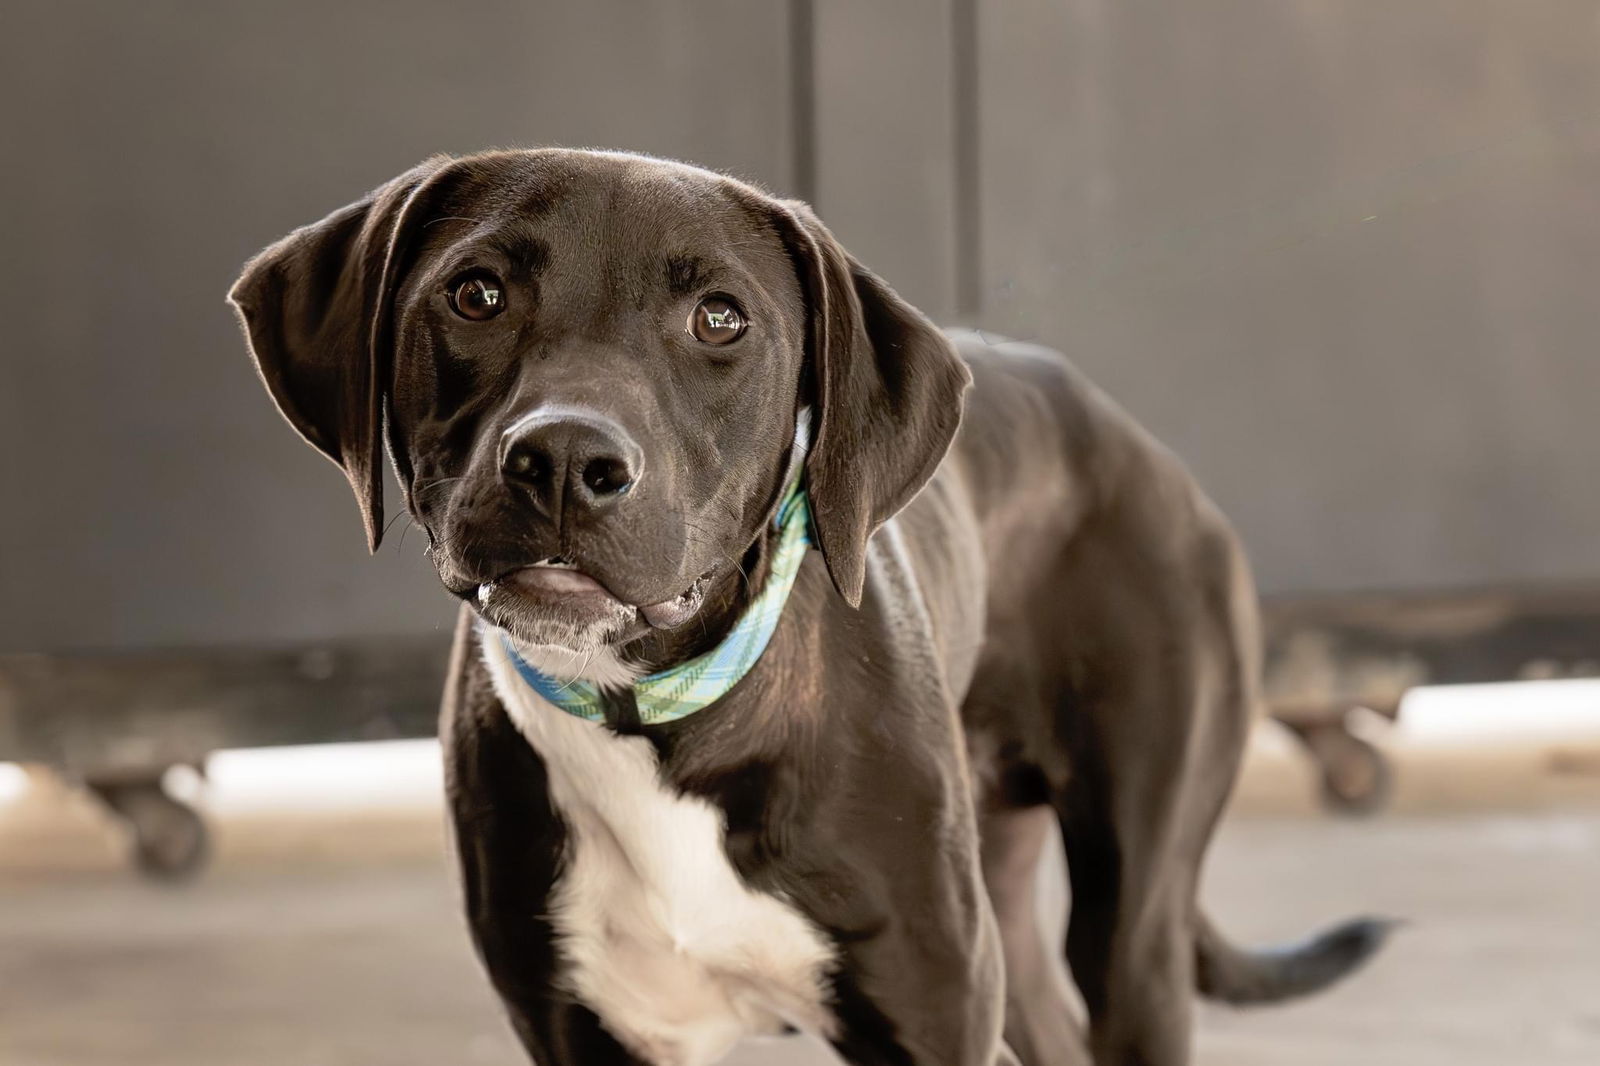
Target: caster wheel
1357,779
169,839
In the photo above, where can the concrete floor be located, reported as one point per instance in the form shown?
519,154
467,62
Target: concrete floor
335,941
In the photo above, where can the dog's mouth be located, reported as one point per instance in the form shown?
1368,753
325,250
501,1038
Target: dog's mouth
558,590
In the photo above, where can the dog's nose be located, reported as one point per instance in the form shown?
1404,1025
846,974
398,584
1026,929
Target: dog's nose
569,455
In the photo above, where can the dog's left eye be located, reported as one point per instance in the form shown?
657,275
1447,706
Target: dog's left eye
477,297
716,320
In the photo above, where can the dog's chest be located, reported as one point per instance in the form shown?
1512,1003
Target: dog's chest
661,937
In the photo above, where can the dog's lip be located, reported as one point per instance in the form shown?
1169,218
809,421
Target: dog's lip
553,582
560,582
670,614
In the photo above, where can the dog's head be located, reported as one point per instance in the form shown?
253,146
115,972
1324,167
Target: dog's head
589,368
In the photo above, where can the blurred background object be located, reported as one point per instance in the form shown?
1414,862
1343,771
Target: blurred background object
1340,256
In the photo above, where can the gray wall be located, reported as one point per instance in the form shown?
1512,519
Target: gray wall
1341,255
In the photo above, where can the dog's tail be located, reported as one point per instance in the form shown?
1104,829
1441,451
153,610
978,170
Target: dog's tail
1229,974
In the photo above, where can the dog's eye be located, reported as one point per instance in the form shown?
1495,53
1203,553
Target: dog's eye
477,297
716,320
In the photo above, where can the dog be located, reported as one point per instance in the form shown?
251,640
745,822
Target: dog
792,626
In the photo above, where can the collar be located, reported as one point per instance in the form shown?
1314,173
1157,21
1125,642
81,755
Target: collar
681,690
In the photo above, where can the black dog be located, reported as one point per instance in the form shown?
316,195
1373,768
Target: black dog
704,782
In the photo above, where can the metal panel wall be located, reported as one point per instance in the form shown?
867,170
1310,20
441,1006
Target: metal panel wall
884,141
1341,256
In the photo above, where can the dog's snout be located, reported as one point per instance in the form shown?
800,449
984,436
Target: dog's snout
568,456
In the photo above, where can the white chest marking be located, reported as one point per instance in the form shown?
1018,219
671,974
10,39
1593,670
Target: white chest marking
662,938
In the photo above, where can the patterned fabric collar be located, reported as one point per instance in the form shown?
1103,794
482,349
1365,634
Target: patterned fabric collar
681,690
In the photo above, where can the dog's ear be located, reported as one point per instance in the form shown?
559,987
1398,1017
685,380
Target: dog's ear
887,387
316,310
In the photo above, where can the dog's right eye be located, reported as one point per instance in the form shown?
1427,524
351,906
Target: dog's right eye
477,297
716,320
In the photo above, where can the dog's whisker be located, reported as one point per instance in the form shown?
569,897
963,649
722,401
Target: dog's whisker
431,485
410,525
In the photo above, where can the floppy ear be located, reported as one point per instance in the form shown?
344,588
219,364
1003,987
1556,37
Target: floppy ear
316,313
888,392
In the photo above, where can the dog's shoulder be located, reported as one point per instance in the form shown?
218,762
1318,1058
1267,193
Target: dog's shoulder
1020,381
1034,411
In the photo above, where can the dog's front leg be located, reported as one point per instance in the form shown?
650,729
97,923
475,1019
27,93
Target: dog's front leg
912,998
921,980
509,842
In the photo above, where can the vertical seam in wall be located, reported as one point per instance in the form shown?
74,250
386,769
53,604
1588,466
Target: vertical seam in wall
966,206
803,99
